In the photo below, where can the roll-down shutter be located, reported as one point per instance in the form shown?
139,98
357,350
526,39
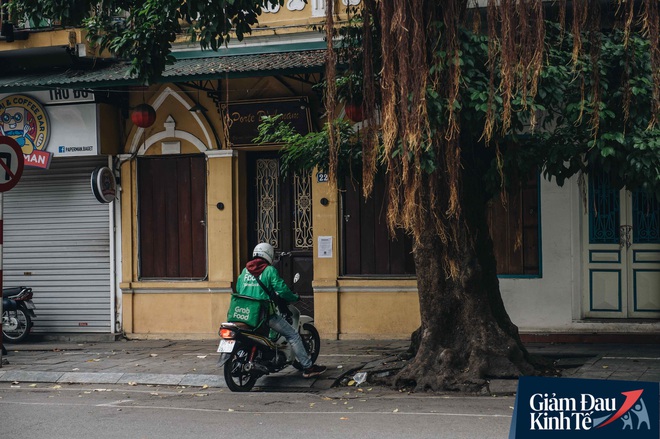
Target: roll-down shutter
57,241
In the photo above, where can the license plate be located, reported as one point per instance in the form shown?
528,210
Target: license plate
30,305
226,346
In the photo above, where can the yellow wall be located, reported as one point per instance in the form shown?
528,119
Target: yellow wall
343,307
177,315
175,308
378,315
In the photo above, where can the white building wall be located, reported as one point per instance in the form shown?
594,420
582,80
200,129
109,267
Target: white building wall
553,302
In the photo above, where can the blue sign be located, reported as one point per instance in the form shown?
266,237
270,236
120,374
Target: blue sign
580,408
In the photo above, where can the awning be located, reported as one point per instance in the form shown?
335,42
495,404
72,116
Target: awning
186,69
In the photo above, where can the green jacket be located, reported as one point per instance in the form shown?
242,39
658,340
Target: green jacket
247,286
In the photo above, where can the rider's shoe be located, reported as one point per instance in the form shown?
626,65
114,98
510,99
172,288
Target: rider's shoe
314,370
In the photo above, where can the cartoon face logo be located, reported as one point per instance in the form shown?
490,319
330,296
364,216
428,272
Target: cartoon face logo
25,120
13,119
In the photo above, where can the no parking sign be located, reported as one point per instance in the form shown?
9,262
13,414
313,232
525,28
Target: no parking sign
11,163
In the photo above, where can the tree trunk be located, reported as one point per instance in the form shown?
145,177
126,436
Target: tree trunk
466,336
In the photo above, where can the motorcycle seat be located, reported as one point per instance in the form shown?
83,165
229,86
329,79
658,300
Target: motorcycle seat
6,292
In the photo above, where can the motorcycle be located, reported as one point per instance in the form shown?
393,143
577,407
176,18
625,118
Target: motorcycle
248,353
17,313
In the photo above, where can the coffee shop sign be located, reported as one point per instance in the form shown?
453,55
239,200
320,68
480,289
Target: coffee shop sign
244,117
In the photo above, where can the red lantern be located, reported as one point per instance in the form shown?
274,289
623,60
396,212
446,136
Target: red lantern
354,111
143,115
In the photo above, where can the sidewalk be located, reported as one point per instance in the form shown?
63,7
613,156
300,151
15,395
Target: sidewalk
192,363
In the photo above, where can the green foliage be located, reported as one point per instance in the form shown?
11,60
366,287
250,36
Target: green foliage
625,146
307,152
564,142
145,37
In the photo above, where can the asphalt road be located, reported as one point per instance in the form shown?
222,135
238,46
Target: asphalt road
48,411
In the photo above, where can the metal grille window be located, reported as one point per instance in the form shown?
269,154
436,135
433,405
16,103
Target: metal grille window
172,217
646,217
302,221
604,210
268,189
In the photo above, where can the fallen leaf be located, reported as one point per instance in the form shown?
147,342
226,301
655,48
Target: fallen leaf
33,385
202,356
395,411
230,410
351,383
606,367
312,404
205,386
153,355
343,418
132,383
56,386
340,367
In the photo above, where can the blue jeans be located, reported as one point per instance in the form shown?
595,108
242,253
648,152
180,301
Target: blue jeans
277,323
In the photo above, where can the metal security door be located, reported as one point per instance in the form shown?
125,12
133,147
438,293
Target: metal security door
623,252
57,241
280,213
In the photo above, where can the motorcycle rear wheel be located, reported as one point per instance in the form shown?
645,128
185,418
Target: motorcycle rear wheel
18,326
312,341
236,377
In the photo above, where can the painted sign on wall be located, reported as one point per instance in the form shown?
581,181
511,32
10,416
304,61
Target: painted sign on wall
25,120
50,123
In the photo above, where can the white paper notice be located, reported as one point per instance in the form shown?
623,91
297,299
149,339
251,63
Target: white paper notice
325,246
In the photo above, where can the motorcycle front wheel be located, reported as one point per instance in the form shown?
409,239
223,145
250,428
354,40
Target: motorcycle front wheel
237,377
15,325
312,341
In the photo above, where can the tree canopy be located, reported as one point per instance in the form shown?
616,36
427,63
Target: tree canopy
143,31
